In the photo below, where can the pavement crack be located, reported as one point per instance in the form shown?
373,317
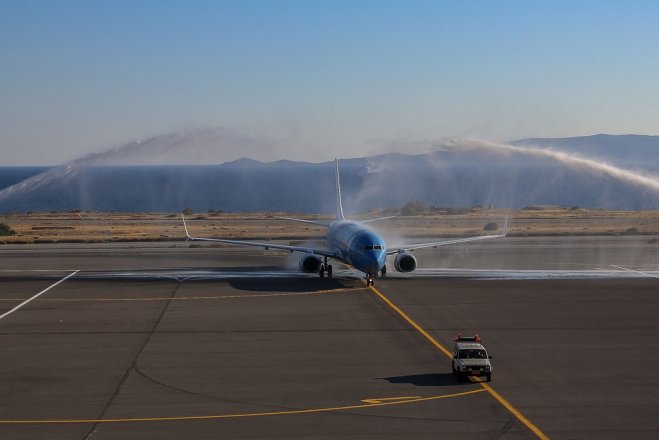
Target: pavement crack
133,365
207,396
506,427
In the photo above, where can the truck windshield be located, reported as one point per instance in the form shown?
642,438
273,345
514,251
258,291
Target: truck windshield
473,353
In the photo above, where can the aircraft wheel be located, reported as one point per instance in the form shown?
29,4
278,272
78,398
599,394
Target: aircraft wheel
322,272
329,271
384,271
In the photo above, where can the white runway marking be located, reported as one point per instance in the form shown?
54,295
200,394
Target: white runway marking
32,270
38,295
200,275
499,274
647,274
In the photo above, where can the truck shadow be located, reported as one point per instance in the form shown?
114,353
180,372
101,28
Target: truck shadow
426,380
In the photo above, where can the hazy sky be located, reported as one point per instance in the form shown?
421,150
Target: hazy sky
319,79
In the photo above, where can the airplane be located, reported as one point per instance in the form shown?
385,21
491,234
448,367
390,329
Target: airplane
352,243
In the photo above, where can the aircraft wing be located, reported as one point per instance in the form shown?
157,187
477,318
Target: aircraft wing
412,247
266,246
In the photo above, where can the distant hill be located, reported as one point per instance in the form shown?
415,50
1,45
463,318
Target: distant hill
455,175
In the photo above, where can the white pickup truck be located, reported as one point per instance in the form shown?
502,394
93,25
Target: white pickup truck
470,358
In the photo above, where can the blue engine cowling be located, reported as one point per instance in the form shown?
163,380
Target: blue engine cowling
405,262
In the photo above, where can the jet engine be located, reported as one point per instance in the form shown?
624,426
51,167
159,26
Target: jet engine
405,262
310,263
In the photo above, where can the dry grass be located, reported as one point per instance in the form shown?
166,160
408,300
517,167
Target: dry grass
108,227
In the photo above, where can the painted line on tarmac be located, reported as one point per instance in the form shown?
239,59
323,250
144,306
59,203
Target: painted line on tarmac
635,271
380,403
196,298
32,270
514,411
38,295
389,399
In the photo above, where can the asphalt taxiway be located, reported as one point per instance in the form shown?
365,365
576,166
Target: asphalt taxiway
173,342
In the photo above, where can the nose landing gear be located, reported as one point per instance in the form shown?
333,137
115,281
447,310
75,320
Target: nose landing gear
370,281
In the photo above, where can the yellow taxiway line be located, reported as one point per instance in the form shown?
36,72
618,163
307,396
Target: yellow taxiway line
514,411
388,401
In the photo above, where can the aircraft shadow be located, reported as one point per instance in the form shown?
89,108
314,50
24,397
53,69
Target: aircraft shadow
425,380
287,284
223,269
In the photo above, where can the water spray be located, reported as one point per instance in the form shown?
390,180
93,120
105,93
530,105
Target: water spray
194,146
632,177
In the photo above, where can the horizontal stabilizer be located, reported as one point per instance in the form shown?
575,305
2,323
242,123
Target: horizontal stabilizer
311,222
372,220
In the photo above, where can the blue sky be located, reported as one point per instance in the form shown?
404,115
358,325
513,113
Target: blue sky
321,78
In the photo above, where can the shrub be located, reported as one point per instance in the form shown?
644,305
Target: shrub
491,227
6,230
188,211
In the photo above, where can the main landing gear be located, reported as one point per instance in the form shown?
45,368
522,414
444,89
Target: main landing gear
325,268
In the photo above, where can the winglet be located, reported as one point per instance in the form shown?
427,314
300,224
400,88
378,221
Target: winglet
339,204
185,226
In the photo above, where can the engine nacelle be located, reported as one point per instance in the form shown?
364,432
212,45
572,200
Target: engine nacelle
405,262
310,263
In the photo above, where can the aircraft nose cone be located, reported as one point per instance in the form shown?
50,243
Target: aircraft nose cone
373,263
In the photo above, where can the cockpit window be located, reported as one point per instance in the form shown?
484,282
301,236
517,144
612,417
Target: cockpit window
373,247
